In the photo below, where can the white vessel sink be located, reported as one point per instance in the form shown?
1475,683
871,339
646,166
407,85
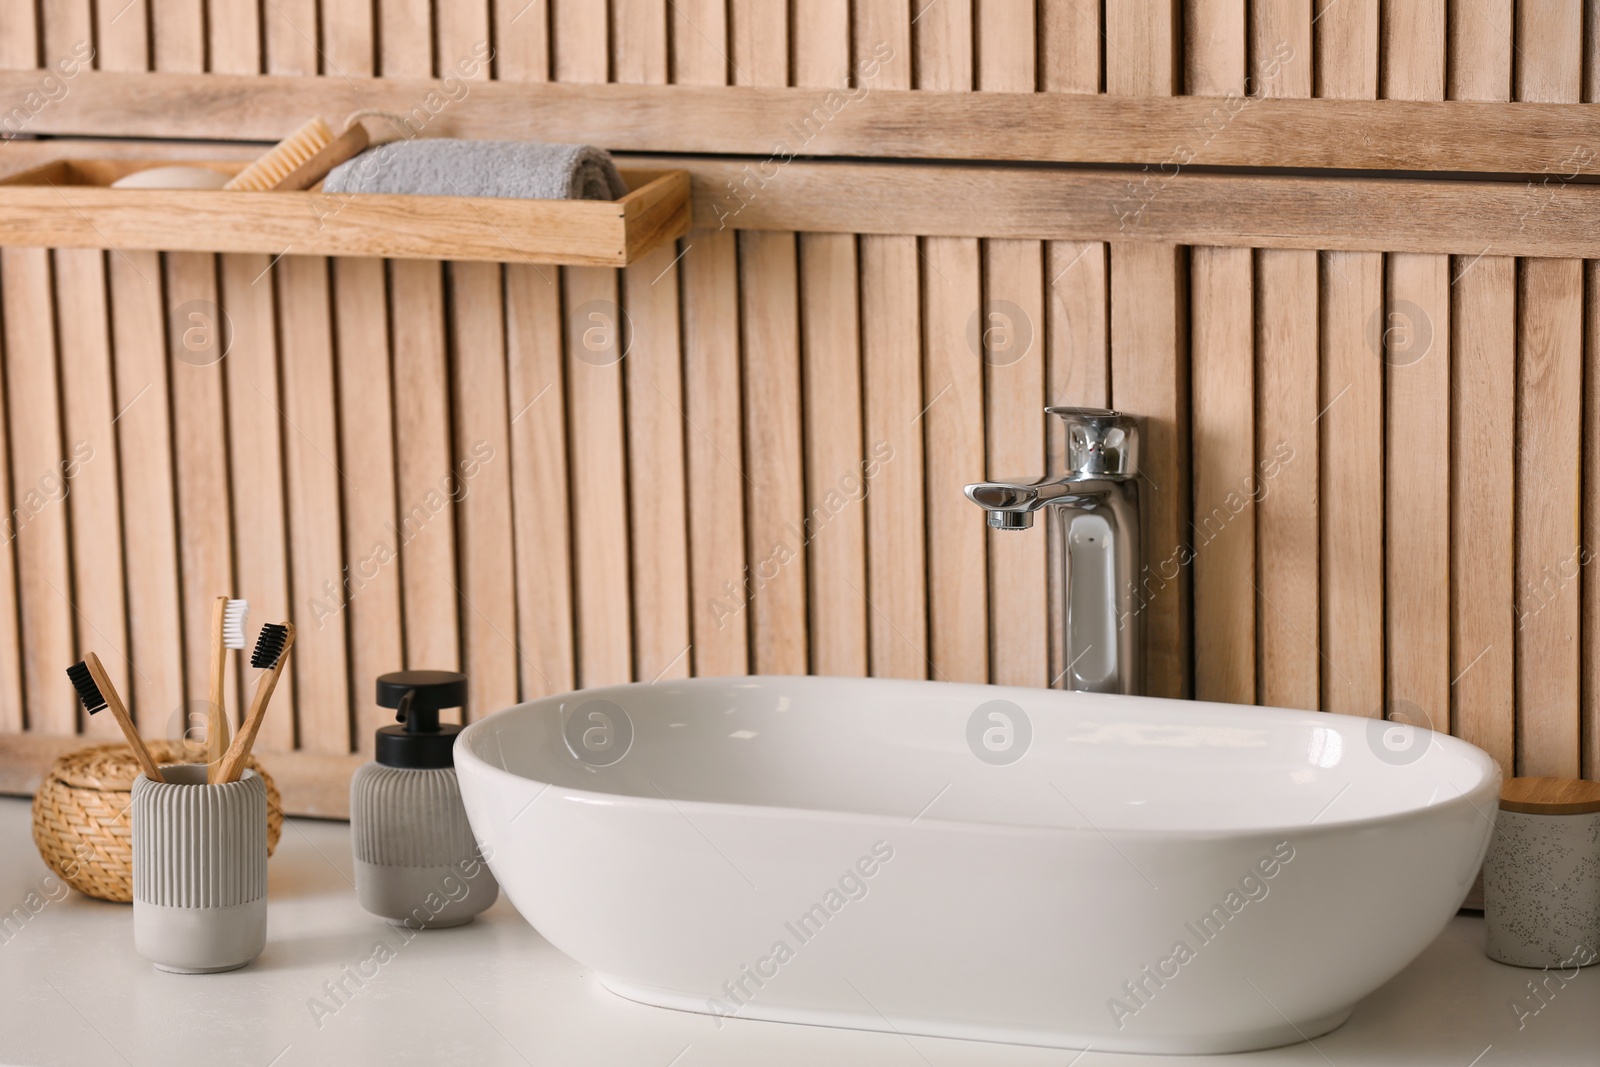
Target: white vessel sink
1022,865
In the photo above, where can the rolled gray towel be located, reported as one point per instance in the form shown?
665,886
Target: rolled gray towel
526,170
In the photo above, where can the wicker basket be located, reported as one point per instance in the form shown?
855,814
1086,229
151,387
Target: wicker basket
81,822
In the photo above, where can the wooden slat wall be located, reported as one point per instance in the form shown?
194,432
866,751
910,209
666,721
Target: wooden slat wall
746,451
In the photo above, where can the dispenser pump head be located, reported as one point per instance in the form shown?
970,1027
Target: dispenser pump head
419,741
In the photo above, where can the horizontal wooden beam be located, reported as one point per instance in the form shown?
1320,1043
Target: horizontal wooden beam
311,784
1166,133
1504,218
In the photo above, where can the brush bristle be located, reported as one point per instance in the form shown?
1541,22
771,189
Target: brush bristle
269,645
83,682
288,154
233,623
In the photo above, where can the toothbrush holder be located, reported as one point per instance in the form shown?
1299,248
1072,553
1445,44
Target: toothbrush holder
199,870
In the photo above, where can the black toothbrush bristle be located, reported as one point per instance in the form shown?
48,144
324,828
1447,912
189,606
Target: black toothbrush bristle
83,682
269,645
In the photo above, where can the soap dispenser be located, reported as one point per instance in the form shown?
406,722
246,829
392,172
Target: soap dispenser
417,864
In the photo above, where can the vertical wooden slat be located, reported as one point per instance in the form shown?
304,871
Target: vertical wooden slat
486,560
775,488
654,373
537,401
1482,452
522,40
953,424
1222,427
770,357
18,50
422,455
835,510
254,406
1352,407
535,357
143,429
1416,330
597,338
1287,527
144,445
482,477
891,375
122,38
314,482
255,435
291,37
1149,358
426,520
1589,724
1069,46
1012,350
373,610
1549,437
579,41
597,450
709,275
233,29
38,519
405,38
89,406
1079,353
196,339
349,38
193,341
178,41
654,381
68,33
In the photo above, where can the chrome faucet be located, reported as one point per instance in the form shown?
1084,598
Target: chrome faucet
1094,533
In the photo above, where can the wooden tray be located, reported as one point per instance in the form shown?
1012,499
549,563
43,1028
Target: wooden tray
68,204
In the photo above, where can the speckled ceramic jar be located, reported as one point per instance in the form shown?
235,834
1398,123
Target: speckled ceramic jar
1541,878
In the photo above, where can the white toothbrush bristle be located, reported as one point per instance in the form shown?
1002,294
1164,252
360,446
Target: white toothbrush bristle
233,623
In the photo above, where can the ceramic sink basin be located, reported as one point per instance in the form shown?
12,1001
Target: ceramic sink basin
1022,865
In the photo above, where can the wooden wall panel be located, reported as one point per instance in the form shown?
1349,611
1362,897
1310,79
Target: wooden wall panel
1482,459
1222,415
1149,365
894,412
1422,554
1350,415
1416,345
1549,427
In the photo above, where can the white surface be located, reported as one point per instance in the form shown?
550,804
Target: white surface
1144,875
72,991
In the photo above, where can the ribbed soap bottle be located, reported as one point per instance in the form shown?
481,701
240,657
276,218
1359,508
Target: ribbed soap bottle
417,863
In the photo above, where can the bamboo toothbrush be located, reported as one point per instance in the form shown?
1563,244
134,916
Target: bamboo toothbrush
272,652
96,692
227,631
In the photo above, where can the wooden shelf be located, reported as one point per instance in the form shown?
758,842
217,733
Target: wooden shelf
67,203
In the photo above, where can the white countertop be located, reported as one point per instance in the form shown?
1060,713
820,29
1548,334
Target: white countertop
73,991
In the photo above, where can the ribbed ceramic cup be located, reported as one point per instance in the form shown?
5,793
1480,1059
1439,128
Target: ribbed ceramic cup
199,870
417,863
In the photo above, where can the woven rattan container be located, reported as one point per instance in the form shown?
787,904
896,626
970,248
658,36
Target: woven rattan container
82,821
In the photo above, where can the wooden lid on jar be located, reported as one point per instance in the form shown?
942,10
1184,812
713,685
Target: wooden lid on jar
1550,796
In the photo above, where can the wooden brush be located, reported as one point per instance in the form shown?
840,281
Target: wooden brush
227,631
349,144
283,159
272,652
96,691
